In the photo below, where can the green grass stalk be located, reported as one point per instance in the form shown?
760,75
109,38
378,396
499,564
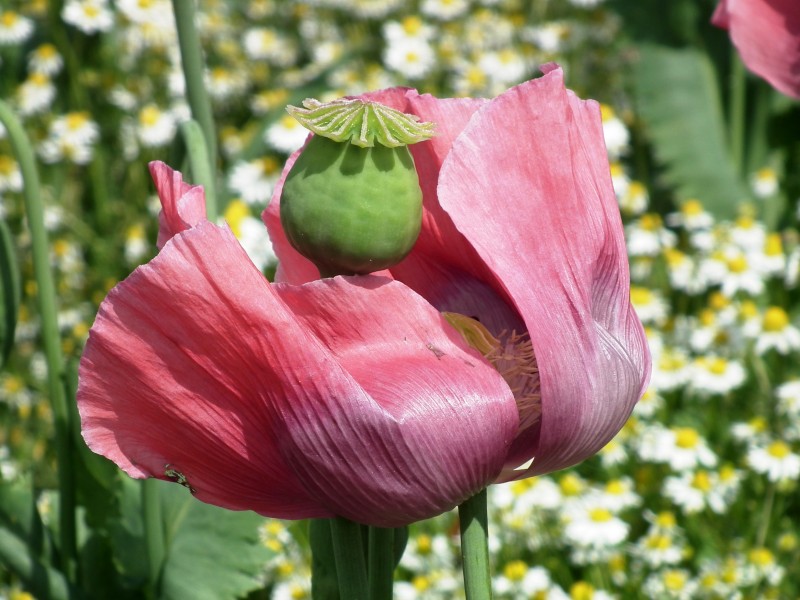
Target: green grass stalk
736,110
200,163
193,71
51,340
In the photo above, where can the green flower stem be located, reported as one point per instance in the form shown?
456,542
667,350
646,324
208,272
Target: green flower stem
736,116
350,562
153,532
192,60
472,516
200,164
381,563
51,340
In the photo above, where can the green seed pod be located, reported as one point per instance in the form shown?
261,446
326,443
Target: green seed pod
354,208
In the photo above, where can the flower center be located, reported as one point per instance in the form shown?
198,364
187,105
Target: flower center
686,437
778,449
775,319
513,357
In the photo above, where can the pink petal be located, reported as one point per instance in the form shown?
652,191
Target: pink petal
345,396
434,424
767,35
171,375
528,184
182,205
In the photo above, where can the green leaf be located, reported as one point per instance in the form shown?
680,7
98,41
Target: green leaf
678,99
126,533
212,553
10,292
95,476
26,548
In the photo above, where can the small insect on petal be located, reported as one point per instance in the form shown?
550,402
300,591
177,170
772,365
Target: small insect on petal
178,477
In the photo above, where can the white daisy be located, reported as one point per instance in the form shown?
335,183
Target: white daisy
286,134
70,137
45,60
519,580
775,460
772,260
550,37
648,237
692,216
670,584
748,234
411,59
592,530
35,95
156,127
444,10
615,132
788,395
10,175
717,375
14,28
671,370
650,305
693,491
683,448
254,180
265,43
764,183
137,246
504,67
741,276
251,233
90,16
777,333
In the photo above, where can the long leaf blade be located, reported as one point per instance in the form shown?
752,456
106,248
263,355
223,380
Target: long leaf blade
679,101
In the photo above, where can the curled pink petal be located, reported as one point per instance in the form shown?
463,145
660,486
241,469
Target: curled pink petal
767,35
182,205
543,217
346,396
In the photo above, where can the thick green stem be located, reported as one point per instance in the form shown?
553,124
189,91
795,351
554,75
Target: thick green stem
736,118
153,531
473,518
381,563
200,163
350,562
192,60
51,340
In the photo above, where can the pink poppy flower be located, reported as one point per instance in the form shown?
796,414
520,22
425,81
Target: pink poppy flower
354,396
521,230
347,396
767,35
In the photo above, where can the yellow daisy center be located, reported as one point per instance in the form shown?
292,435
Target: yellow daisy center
775,319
